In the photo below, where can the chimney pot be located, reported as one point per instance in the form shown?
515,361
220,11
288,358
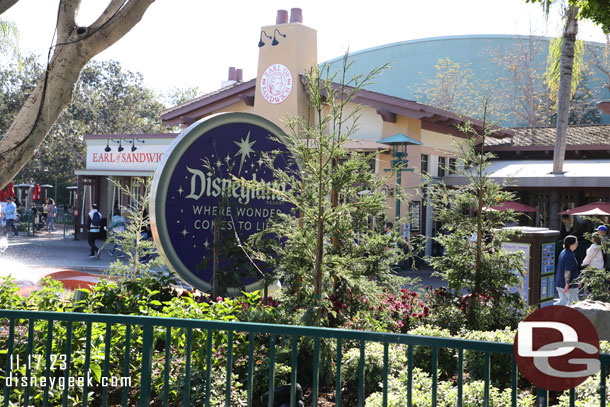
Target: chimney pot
296,15
239,75
232,73
282,17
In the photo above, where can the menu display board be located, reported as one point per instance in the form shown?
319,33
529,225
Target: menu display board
548,258
523,287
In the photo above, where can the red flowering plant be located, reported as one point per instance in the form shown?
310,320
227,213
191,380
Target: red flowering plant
395,312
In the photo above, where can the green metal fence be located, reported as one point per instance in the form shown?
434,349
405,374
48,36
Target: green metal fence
144,349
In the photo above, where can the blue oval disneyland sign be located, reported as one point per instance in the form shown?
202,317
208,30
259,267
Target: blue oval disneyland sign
195,189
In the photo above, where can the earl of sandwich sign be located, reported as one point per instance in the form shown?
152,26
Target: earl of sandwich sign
195,188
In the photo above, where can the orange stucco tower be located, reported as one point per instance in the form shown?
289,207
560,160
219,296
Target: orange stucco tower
286,50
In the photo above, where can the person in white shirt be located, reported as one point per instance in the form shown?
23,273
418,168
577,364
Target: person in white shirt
595,257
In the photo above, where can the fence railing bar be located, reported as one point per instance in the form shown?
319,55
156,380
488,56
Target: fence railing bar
434,375
361,382
460,378
250,368
167,366
602,385
9,359
269,329
125,393
106,371
293,372
208,367
486,369
87,363
47,373
68,362
270,400
146,370
338,379
28,369
186,400
542,397
513,382
410,376
316,372
385,373
229,369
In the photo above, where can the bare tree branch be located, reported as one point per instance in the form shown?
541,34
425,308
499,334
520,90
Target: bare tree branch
73,50
112,9
118,25
66,20
6,4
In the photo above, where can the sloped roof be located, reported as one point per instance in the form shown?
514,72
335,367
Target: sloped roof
433,118
586,135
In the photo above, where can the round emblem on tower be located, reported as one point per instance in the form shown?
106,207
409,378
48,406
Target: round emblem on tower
276,84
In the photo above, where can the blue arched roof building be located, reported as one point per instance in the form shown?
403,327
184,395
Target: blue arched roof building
413,61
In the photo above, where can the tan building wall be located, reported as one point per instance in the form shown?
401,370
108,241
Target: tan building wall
297,51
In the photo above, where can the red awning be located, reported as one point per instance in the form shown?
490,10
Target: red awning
10,190
595,208
515,206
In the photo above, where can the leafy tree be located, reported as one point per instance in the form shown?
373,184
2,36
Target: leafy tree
573,11
141,254
454,88
471,235
328,255
74,47
107,100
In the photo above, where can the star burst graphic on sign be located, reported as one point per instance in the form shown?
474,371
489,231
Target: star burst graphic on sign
245,149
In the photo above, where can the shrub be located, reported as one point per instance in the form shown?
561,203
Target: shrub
9,297
446,393
422,355
373,375
500,363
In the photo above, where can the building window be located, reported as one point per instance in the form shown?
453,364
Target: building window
424,164
452,166
442,163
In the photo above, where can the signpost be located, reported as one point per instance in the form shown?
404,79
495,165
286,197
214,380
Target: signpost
196,191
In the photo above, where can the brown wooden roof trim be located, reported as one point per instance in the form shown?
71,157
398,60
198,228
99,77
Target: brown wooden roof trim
581,147
206,104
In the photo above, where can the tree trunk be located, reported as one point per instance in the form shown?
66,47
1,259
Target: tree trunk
565,87
74,48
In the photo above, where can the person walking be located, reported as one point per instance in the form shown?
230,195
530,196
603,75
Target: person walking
51,213
10,216
117,225
567,272
94,225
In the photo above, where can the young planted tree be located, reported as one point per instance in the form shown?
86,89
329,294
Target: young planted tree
476,267
329,258
140,250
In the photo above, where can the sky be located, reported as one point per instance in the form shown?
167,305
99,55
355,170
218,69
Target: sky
192,43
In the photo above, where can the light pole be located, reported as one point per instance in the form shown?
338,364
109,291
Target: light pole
399,164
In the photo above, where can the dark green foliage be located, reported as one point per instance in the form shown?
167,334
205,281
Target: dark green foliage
473,262
107,100
326,253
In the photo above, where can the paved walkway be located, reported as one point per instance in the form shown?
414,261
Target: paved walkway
29,258
51,250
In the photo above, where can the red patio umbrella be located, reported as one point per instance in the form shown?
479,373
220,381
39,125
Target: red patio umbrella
594,208
36,195
11,189
3,195
515,206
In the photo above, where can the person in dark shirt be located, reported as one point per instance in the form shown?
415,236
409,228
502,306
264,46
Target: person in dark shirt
567,272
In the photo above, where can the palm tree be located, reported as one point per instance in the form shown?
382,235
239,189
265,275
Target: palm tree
570,29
